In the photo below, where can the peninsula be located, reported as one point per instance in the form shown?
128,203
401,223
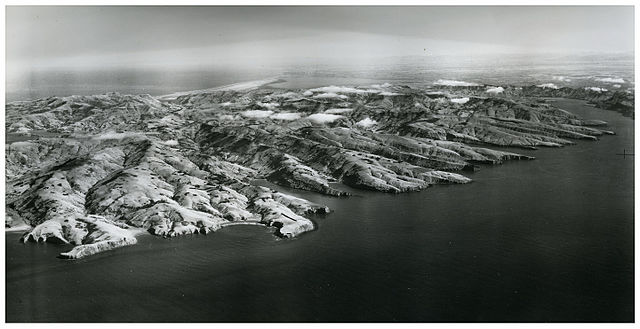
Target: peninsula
95,171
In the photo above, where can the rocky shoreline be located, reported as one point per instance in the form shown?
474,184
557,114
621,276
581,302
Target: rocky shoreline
113,166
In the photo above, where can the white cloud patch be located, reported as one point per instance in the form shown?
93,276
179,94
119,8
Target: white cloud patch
324,118
454,83
610,80
548,86
287,116
171,142
616,86
366,122
344,90
494,90
337,111
307,93
330,96
460,100
596,89
270,106
257,114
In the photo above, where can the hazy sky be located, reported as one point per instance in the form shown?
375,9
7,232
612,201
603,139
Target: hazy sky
83,37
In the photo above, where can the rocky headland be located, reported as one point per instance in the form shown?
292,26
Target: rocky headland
96,171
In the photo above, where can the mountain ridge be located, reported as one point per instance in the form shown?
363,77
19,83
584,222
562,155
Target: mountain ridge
113,166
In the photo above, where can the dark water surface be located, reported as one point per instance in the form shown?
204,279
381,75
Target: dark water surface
543,240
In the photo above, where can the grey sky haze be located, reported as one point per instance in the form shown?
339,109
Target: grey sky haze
120,36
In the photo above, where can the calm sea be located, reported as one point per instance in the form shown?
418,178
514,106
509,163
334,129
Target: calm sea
543,240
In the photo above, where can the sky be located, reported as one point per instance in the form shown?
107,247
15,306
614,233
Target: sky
90,37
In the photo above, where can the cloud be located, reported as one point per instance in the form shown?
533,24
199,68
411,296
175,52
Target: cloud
171,142
337,111
324,118
288,95
270,106
460,100
455,83
329,96
494,90
548,85
610,80
257,114
287,116
344,90
366,122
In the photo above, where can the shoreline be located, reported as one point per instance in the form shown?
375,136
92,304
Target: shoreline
419,241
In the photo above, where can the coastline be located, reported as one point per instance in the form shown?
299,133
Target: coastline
433,246
374,169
